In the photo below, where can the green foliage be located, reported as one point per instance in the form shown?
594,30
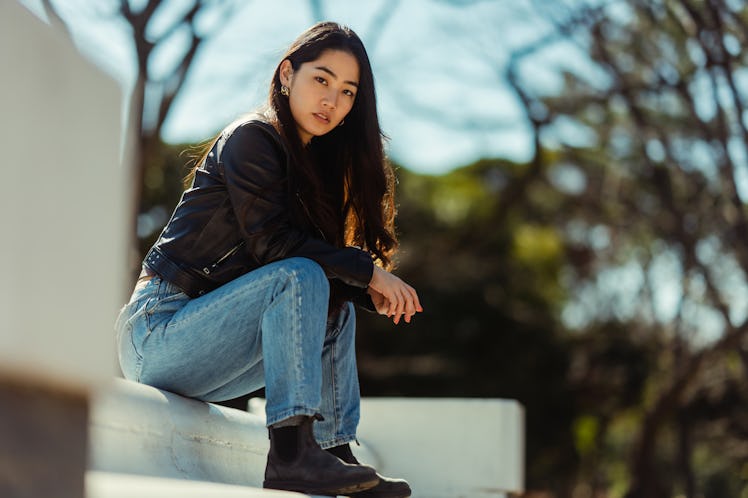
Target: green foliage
489,328
654,227
586,430
166,166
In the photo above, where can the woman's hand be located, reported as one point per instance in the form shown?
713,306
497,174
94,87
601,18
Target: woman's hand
393,297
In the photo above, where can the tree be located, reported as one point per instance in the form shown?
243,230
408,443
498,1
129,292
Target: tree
651,135
155,90
153,95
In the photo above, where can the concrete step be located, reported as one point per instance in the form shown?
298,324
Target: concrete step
111,485
137,429
445,448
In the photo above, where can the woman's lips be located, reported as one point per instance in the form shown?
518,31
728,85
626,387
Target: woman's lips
322,118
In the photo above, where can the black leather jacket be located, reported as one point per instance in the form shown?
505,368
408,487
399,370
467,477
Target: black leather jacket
236,217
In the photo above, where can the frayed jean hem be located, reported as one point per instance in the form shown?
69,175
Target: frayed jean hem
288,414
338,441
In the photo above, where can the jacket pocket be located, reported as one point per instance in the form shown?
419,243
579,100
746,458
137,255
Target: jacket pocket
207,270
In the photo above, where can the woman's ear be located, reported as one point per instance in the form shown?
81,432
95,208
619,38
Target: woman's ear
286,72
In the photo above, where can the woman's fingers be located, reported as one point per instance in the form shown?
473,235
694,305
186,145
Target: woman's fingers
399,303
414,305
400,300
407,307
381,303
416,302
391,295
410,310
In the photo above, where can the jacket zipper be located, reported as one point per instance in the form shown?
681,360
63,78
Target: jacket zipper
223,258
309,215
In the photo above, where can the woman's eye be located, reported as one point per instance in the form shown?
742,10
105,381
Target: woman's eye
349,93
320,79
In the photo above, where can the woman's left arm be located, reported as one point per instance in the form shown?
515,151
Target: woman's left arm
254,170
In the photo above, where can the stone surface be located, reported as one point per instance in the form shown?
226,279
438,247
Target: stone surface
42,441
448,447
139,429
107,485
63,210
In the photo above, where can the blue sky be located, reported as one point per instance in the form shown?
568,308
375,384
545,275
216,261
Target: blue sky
438,69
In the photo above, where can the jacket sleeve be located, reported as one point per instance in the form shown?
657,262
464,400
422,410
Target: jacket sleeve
255,174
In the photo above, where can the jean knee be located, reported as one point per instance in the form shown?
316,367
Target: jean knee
308,275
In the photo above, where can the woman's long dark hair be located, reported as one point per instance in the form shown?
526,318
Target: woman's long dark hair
342,176
344,181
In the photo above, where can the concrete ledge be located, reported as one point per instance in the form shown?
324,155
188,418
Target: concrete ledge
446,448
107,485
137,429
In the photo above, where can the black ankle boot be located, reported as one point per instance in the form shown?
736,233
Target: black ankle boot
297,463
387,488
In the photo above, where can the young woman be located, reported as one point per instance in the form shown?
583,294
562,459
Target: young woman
288,221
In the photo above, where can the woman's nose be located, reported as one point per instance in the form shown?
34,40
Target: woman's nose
331,100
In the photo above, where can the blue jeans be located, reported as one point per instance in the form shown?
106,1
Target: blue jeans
266,328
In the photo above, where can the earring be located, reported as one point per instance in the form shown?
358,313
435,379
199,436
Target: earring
341,123
284,91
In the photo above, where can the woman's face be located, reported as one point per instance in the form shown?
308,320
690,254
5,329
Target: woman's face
322,91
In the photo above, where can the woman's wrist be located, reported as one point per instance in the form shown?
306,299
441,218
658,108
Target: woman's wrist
375,277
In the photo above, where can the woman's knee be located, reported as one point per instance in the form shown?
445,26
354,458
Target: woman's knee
307,274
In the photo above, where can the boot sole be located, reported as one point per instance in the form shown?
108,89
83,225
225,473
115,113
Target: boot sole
304,487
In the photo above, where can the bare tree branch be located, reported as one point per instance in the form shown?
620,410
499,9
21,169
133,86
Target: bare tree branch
378,24
318,11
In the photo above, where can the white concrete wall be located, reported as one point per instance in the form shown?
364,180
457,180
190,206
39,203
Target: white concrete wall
448,448
63,207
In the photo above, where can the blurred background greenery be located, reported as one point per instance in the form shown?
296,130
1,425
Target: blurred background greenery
598,276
